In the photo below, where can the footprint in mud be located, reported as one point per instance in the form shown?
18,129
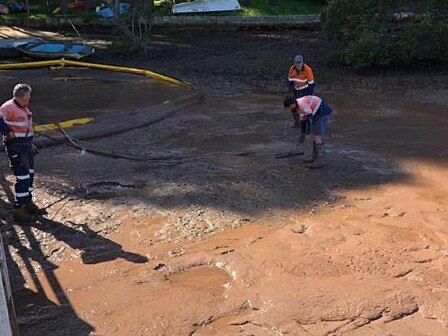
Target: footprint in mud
301,229
104,189
224,249
202,278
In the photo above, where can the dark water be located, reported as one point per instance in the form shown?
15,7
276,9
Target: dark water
76,93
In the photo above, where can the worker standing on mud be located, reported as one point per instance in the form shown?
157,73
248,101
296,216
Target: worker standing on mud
300,84
316,111
16,125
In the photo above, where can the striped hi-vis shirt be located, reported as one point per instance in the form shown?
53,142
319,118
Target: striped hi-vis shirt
18,118
301,78
308,105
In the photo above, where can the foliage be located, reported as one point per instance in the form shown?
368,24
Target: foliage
283,7
44,8
256,8
368,35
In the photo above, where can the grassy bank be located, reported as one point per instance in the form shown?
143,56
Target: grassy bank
256,8
44,9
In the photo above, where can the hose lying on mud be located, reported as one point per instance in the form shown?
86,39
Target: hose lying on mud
164,160
160,160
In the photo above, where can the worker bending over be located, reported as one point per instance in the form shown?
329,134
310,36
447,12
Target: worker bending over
316,111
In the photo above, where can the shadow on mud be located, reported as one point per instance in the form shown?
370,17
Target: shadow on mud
229,156
38,314
230,166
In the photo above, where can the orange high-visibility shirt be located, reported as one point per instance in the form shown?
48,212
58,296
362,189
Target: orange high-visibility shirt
18,118
301,78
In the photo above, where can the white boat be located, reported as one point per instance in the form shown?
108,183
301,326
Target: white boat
199,6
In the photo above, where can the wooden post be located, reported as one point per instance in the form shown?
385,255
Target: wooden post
8,319
64,6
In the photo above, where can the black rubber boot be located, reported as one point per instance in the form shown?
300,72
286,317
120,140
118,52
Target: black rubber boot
20,213
313,155
320,157
33,209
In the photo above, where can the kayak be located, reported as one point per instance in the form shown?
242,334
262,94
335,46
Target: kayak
56,50
8,45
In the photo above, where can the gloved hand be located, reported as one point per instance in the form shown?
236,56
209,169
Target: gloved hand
9,136
302,138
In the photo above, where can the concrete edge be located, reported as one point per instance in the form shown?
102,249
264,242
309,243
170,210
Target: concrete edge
8,319
304,21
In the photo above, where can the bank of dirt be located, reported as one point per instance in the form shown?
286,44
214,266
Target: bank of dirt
221,238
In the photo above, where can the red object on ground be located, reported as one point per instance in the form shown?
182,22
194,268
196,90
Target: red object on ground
77,5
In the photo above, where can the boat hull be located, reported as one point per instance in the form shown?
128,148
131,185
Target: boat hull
199,6
55,51
8,46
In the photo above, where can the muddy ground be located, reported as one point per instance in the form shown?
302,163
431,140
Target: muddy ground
221,238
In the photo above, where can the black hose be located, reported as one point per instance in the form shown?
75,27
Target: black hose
73,143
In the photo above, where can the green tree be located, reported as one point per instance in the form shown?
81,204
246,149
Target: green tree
385,32
136,23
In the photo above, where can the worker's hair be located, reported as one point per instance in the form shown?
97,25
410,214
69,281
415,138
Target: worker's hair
288,102
20,90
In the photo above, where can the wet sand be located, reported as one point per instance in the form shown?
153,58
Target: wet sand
222,238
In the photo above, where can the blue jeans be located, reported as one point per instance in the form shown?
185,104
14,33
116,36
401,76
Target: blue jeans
320,119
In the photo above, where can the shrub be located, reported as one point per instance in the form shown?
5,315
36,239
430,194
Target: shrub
318,2
368,35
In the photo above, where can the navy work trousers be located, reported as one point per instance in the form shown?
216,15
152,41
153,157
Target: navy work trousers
21,158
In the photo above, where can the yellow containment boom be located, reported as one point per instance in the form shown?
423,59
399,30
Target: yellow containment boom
63,62
58,64
63,124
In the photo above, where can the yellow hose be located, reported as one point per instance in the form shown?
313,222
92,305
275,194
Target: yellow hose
26,65
136,71
62,62
64,124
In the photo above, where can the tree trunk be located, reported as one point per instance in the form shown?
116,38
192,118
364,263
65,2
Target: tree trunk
150,5
64,7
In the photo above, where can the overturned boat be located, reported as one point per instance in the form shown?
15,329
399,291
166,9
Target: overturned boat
55,50
8,46
198,6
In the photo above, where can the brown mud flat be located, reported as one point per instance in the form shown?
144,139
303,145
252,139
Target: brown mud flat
221,238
